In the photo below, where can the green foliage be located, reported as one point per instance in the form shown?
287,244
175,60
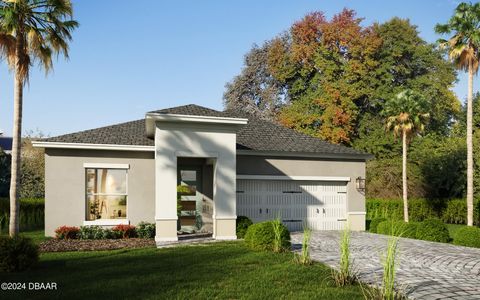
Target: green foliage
389,270
386,227
304,257
406,113
456,212
467,236
261,236
91,233
5,160
433,230
419,209
146,230
17,253
374,224
345,275
32,180
242,225
32,213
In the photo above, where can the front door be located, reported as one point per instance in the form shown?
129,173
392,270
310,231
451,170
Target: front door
189,180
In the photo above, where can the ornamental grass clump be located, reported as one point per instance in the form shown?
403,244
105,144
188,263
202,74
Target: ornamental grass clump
304,257
345,275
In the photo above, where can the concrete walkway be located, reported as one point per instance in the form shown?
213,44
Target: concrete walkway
426,270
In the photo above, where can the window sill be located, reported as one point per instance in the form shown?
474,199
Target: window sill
107,222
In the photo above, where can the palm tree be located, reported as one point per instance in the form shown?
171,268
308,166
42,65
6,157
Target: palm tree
406,117
40,29
463,48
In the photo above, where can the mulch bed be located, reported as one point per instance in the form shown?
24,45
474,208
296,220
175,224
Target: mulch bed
54,245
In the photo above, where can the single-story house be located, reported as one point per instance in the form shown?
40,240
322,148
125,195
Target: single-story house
230,164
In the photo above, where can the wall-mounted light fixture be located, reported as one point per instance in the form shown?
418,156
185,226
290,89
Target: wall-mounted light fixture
360,184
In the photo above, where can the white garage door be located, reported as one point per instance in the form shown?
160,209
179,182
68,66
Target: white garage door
321,205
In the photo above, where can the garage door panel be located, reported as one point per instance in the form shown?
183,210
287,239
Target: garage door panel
318,204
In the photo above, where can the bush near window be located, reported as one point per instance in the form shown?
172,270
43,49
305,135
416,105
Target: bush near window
67,233
374,224
261,236
468,236
433,230
17,253
92,233
242,225
125,231
146,230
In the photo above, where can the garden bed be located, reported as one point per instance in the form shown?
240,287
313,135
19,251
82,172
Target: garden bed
56,245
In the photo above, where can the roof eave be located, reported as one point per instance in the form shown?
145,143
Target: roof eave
350,156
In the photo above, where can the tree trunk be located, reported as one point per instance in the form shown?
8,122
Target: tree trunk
14,226
404,176
470,148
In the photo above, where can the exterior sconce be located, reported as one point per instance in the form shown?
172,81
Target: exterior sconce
360,184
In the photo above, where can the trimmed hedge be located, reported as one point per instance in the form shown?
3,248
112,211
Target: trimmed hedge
242,225
374,224
468,236
260,236
433,230
452,211
17,253
32,213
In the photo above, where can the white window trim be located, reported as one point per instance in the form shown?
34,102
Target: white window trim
107,222
105,166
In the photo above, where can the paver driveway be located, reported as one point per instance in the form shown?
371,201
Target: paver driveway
426,270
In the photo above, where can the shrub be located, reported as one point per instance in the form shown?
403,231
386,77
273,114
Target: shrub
419,209
261,236
404,229
125,231
91,233
109,234
242,225
456,212
374,224
67,233
433,230
31,214
385,227
398,228
467,236
146,230
17,253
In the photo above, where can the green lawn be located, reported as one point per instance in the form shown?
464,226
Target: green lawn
219,270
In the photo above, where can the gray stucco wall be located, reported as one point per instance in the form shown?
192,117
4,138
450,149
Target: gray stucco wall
294,166
65,201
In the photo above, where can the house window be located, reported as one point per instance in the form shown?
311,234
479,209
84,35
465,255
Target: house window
106,193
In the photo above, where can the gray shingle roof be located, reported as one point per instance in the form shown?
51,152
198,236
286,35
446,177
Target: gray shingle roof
257,135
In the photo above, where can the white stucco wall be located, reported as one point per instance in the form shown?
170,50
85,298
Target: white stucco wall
173,140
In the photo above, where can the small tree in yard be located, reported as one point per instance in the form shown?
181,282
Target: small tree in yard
39,29
406,117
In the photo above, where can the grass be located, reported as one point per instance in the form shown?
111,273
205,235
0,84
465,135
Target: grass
218,270
37,236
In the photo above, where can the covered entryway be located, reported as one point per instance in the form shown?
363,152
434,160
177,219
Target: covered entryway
319,204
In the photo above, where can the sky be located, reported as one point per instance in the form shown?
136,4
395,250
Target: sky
130,57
